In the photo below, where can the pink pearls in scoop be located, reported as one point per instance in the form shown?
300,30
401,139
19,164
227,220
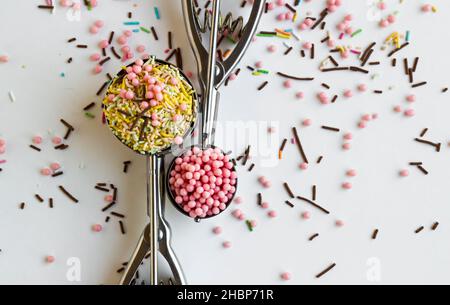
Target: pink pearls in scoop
203,182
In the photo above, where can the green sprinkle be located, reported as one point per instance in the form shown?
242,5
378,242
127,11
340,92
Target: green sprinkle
357,32
231,39
62,74
265,35
89,115
145,30
132,23
249,225
261,71
158,16
408,34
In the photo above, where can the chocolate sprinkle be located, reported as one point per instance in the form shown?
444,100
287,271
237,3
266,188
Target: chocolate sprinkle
70,196
313,204
288,190
325,271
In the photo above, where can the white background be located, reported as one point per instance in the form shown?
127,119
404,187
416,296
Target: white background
36,43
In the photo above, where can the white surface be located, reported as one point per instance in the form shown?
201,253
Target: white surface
36,43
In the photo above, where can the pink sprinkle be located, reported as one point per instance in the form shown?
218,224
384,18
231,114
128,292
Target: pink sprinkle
410,112
272,48
299,95
98,69
226,244
411,98
37,140
306,215
286,276
93,29
307,122
103,44
348,136
287,84
46,172
4,58
347,185
217,230
348,93
272,214
362,88
55,166
404,173
50,259
95,57
398,109
426,8
351,173
340,223
97,228
99,23
56,140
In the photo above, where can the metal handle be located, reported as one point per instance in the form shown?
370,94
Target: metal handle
154,198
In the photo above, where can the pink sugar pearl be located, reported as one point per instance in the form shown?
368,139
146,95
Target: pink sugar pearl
238,200
307,122
272,48
50,259
280,2
178,140
46,172
2,149
304,166
286,276
346,146
348,136
55,166
351,173
347,186
265,205
99,23
226,244
411,98
287,84
94,30
348,93
97,228
426,8
362,88
410,112
217,230
307,45
109,198
4,58
2,142
391,18
384,23
95,57
98,69
306,215
272,214
56,140
362,124
103,44
299,95
253,223
398,109
404,173
339,223
382,5
259,64
37,140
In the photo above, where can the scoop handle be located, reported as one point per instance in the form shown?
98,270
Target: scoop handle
154,200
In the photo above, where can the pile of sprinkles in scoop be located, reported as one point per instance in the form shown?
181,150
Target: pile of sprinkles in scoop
150,107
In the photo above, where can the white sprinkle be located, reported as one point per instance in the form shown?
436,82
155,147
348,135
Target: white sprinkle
12,97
